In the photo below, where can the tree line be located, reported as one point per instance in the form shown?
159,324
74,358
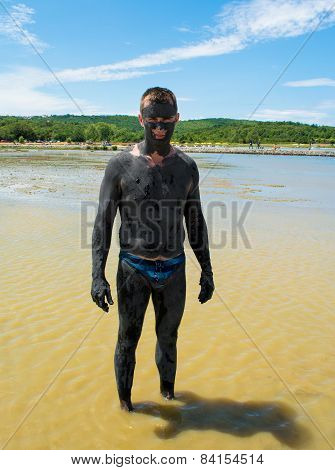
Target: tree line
120,128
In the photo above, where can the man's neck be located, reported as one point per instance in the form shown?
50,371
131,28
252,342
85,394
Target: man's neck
155,149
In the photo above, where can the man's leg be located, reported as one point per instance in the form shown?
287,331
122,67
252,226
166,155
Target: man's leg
133,297
169,303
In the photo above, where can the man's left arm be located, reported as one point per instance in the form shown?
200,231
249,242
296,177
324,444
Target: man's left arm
198,237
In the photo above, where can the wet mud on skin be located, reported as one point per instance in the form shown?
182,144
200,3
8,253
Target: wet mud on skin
134,291
163,195
151,144
153,202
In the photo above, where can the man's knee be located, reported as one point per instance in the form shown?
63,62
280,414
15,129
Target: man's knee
167,340
128,340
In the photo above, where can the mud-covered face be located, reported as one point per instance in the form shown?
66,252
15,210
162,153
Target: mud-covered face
159,121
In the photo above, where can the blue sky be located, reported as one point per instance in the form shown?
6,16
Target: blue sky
219,57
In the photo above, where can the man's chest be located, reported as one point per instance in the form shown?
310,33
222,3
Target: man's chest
142,182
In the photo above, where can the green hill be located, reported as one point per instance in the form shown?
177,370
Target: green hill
121,128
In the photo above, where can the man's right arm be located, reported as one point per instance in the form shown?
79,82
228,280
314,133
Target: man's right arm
109,197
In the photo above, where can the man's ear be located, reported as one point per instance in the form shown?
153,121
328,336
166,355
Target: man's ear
177,118
140,120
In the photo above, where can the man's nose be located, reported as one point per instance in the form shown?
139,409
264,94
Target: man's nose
159,125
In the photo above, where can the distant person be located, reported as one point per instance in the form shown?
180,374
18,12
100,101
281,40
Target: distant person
250,144
155,186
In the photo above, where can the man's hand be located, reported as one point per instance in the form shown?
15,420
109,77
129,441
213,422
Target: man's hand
100,290
207,287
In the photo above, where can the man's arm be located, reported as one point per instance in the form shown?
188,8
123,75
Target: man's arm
198,236
102,233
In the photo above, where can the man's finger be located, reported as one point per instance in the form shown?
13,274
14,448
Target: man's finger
209,296
109,296
206,296
104,307
96,300
96,296
201,295
206,292
102,304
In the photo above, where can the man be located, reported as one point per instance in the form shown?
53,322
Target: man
154,186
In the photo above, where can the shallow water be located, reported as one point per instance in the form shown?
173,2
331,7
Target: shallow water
256,363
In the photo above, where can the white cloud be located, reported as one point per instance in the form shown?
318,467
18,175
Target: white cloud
327,104
13,26
301,115
184,29
104,74
29,102
270,19
20,93
211,47
239,25
313,82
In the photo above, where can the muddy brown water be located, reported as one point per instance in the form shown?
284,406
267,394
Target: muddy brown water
255,364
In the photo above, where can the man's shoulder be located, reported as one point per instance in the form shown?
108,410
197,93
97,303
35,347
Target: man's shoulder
119,157
189,161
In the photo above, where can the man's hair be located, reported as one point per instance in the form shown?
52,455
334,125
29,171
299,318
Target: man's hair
159,95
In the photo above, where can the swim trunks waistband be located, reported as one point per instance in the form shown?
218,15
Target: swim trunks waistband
156,271
151,262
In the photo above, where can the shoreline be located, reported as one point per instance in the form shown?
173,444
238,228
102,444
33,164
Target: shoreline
96,149
265,151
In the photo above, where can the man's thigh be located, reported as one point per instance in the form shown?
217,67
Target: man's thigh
169,302
133,292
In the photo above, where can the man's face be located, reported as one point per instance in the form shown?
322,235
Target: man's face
158,120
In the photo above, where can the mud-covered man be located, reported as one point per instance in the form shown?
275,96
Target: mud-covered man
155,187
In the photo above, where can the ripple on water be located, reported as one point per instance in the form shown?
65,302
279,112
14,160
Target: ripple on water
228,396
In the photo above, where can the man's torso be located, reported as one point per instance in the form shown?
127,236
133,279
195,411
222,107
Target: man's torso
152,203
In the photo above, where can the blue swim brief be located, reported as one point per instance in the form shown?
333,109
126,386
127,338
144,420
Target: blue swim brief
157,271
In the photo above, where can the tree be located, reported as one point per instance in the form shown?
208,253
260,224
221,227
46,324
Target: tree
113,131
103,131
92,133
19,128
78,135
127,129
